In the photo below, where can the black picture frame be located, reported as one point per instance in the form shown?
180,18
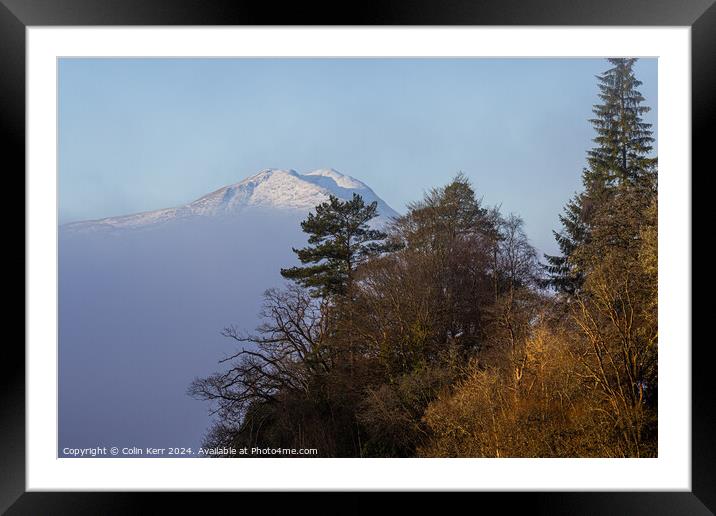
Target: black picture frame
16,15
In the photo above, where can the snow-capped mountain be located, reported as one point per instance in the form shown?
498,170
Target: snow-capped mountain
274,189
151,291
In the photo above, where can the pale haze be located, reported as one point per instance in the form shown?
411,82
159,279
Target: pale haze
144,134
227,156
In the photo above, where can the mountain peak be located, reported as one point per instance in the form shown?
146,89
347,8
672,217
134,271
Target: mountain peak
341,180
271,188
268,172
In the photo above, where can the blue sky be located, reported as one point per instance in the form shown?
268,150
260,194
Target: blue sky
142,134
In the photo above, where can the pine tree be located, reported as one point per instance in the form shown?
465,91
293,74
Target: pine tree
623,139
340,241
619,159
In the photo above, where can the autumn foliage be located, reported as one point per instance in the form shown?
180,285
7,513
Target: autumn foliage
443,335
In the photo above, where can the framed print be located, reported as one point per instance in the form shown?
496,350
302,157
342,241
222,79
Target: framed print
425,249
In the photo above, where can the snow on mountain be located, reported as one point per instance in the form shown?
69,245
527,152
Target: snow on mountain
273,189
160,285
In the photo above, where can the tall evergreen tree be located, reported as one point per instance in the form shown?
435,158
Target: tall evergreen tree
620,158
341,240
623,139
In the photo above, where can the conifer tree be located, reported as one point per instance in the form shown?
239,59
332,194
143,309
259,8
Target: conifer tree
619,159
341,240
623,139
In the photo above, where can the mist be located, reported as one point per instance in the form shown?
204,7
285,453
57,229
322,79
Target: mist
140,316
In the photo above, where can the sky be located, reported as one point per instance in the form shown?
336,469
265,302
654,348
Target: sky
144,134
139,316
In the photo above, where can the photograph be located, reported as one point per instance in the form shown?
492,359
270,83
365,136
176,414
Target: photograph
357,257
